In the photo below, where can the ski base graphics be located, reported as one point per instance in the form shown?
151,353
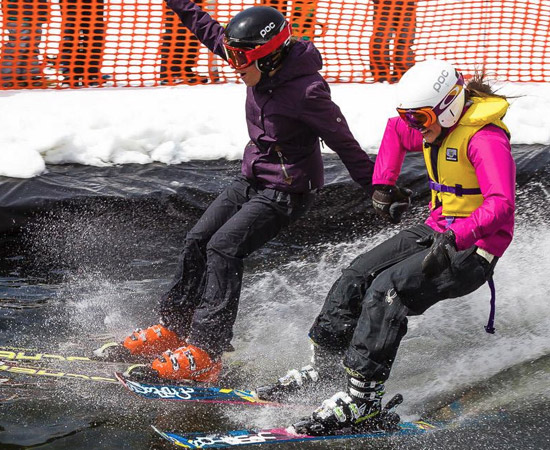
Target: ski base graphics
281,435
30,355
49,364
9,367
34,356
191,393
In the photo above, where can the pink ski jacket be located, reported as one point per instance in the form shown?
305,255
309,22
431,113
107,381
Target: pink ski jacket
491,226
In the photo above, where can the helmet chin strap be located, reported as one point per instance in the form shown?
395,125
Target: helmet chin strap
276,60
267,67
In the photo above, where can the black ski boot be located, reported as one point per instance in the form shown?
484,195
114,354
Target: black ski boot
293,381
358,410
325,365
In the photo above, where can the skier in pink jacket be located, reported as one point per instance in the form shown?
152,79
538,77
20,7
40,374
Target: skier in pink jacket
471,174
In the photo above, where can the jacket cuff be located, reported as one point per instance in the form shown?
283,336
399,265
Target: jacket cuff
383,181
465,236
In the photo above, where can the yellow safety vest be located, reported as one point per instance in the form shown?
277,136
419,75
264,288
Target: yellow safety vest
457,187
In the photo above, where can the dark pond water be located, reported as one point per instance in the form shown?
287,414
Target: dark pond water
81,273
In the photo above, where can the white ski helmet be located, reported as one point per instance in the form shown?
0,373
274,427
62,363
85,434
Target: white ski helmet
435,85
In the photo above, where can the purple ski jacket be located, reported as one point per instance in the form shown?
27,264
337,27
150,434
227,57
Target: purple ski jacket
286,114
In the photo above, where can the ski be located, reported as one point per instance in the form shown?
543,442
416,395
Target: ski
34,356
50,373
192,393
281,435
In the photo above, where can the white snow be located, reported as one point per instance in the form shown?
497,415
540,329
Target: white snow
171,125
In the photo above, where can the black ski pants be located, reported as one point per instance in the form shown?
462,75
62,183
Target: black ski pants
365,313
201,305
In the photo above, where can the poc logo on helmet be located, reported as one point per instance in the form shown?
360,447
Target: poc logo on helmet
440,80
267,29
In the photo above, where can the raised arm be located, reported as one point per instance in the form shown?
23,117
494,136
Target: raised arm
199,22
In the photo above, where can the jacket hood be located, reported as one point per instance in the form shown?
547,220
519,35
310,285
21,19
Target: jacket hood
302,59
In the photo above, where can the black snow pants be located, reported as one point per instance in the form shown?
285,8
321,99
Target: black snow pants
365,313
201,305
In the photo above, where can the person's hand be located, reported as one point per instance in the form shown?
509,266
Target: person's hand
391,202
443,248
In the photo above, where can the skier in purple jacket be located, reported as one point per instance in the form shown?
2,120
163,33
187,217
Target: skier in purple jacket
288,108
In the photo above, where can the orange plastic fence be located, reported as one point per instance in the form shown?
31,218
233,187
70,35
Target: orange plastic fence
83,43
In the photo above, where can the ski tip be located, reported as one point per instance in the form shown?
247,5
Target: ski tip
115,352
106,352
99,352
120,377
169,438
159,432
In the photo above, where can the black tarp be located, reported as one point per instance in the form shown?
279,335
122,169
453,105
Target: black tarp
165,190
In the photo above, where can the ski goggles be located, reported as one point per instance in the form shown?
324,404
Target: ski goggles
240,58
421,118
418,118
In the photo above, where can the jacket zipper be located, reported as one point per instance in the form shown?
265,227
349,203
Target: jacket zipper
287,177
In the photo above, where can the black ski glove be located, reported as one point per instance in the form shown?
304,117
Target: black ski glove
443,248
391,202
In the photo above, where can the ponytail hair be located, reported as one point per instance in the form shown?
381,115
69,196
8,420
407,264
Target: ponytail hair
478,86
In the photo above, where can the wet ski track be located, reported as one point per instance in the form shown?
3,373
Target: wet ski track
79,267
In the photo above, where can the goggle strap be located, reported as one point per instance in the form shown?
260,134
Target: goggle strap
272,45
265,49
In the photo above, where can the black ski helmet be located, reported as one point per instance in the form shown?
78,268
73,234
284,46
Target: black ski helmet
259,33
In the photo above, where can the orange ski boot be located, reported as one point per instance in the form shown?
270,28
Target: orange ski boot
141,344
187,363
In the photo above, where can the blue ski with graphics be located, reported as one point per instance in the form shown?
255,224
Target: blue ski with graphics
239,438
192,393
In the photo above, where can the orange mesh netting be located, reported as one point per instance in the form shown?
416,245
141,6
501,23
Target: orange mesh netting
73,43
